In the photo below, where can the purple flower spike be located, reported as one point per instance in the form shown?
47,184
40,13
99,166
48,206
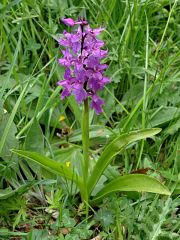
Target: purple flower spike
82,57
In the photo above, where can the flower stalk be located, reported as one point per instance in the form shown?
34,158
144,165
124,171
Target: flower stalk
85,143
85,139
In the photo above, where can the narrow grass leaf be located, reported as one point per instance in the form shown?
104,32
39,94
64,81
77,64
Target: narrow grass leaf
11,118
35,139
9,192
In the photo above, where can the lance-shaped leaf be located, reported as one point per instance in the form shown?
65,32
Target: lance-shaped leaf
50,165
132,182
112,149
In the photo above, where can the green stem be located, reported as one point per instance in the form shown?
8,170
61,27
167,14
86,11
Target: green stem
85,138
85,143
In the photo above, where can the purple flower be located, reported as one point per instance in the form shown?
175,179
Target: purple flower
97,103
71,22
67,59
68,21
67,88
79,93
82,57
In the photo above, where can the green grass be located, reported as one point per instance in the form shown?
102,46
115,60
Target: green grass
143,39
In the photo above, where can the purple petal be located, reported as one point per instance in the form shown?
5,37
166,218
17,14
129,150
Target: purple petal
96,104
63,42
67,35
97,31
68,21
65,93
89,42
100,53
92,61
67,59
67,54
99,43
88,29
80,73
79,92
67,88
102,66
93,84
64,62
76,46
105,80
63,83
82,22
67,74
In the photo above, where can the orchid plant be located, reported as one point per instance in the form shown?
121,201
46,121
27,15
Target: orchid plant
84,78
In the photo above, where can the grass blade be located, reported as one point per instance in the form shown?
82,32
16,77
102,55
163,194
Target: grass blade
11,118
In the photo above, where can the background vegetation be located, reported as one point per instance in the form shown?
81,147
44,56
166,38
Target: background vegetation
143,39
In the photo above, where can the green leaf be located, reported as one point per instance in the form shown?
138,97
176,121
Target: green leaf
177,189
75,109
172,129
49,164
9,192
38,234
5,232
35,139
95,131
32,45
105,217
72,154
5,193
8,128
133,182
162,115
11,140
112,149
